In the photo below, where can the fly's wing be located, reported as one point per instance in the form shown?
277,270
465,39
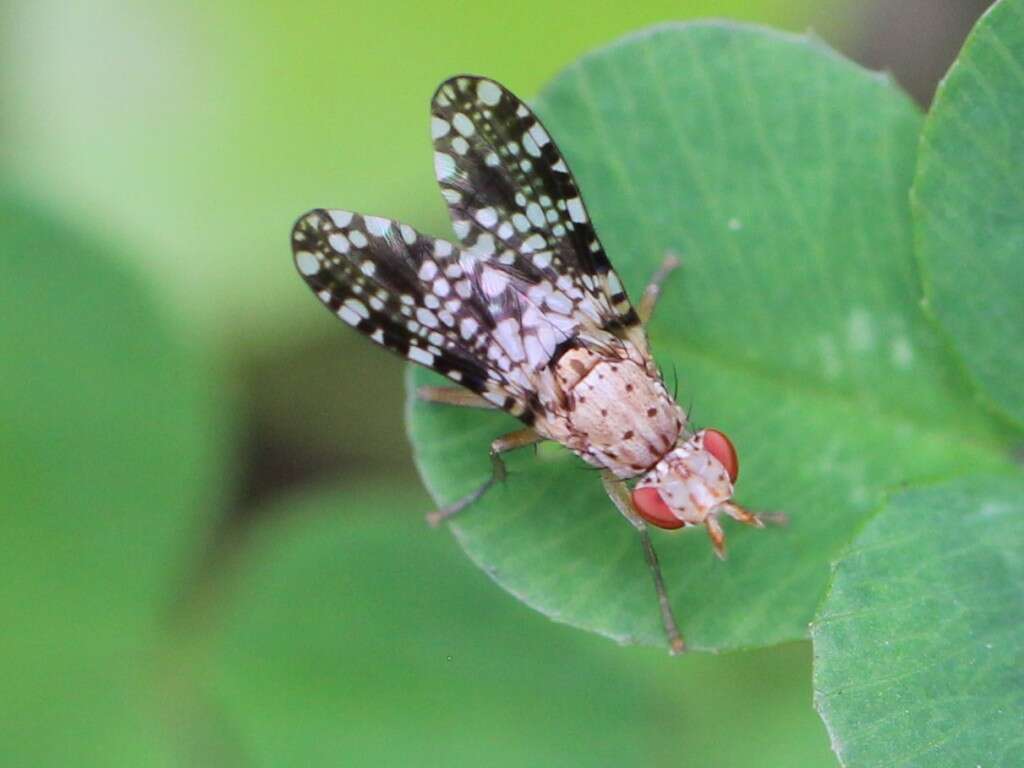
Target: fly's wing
431,302
512,198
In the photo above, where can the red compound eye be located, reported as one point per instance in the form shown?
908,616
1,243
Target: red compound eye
653,509
719,446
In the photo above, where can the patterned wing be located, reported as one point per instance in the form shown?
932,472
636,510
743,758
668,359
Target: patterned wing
512,196
433,303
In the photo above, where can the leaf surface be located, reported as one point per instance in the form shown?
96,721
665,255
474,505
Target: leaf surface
112,453
779,172
349,631
969,207
919,659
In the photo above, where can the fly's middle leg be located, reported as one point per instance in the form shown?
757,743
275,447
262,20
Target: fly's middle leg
620,496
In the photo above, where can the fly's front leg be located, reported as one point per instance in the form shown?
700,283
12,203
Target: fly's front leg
619,494
503,444
740,515
653,290
745,516
457,396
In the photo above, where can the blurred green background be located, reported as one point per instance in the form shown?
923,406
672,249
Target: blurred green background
211,528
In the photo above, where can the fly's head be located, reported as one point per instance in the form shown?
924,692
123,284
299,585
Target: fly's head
690,484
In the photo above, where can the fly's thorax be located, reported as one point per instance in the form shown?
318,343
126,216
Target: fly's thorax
614,410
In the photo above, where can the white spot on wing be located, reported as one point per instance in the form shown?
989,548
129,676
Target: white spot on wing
487,217
358,307
463,124
375,225
339,242
484,246
535,354
614,286
558,302
444,166
438,127
419,355
348,316
539,134
341,218
576,212
533,243
426,317
428,270
488,92
492,282
507,333
307,263
468,328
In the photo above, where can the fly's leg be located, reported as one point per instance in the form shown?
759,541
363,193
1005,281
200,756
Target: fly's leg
745,516
619,494
464,398
653,290
457,396
503,444
717,535
741,515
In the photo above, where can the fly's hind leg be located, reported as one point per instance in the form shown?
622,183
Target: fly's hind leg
503,444
620,496
457,396
653,290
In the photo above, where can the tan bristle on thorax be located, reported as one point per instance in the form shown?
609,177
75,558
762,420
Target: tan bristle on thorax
610,407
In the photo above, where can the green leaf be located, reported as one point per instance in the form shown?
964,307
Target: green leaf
348,632
779,171
969,206
111,454
919,658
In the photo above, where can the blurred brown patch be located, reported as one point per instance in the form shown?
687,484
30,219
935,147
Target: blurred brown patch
915,40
